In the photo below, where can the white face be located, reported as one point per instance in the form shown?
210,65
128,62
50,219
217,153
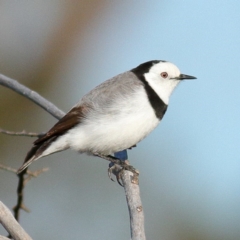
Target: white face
161,77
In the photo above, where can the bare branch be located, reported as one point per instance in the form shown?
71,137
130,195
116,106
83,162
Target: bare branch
11,225
132,191
22,133
4,238
31,95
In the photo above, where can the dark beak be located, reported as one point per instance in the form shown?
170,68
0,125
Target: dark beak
184,76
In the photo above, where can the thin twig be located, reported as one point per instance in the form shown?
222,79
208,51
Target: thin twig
21,184
20,205
9,169
34,174
30,173
22,133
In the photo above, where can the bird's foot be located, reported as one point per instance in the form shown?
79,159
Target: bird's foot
118,169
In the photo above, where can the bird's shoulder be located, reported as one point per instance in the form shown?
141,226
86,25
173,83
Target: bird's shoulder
122,84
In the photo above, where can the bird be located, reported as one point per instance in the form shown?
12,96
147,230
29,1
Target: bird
114,116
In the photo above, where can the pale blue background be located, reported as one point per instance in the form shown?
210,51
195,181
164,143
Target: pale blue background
190,165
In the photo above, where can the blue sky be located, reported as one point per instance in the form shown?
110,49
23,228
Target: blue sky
190,164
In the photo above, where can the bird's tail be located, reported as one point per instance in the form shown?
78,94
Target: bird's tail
32,155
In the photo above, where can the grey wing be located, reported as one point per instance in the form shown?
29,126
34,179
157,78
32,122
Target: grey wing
117,90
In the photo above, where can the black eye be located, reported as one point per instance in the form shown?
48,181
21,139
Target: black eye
164,75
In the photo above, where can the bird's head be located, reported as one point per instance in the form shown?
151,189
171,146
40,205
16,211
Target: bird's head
163,77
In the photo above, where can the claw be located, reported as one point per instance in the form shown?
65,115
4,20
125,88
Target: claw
110,170
118,177
117,171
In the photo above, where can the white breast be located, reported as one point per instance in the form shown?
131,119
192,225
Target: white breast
110,133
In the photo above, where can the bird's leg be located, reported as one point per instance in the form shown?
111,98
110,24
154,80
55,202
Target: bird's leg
108,158
115,169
